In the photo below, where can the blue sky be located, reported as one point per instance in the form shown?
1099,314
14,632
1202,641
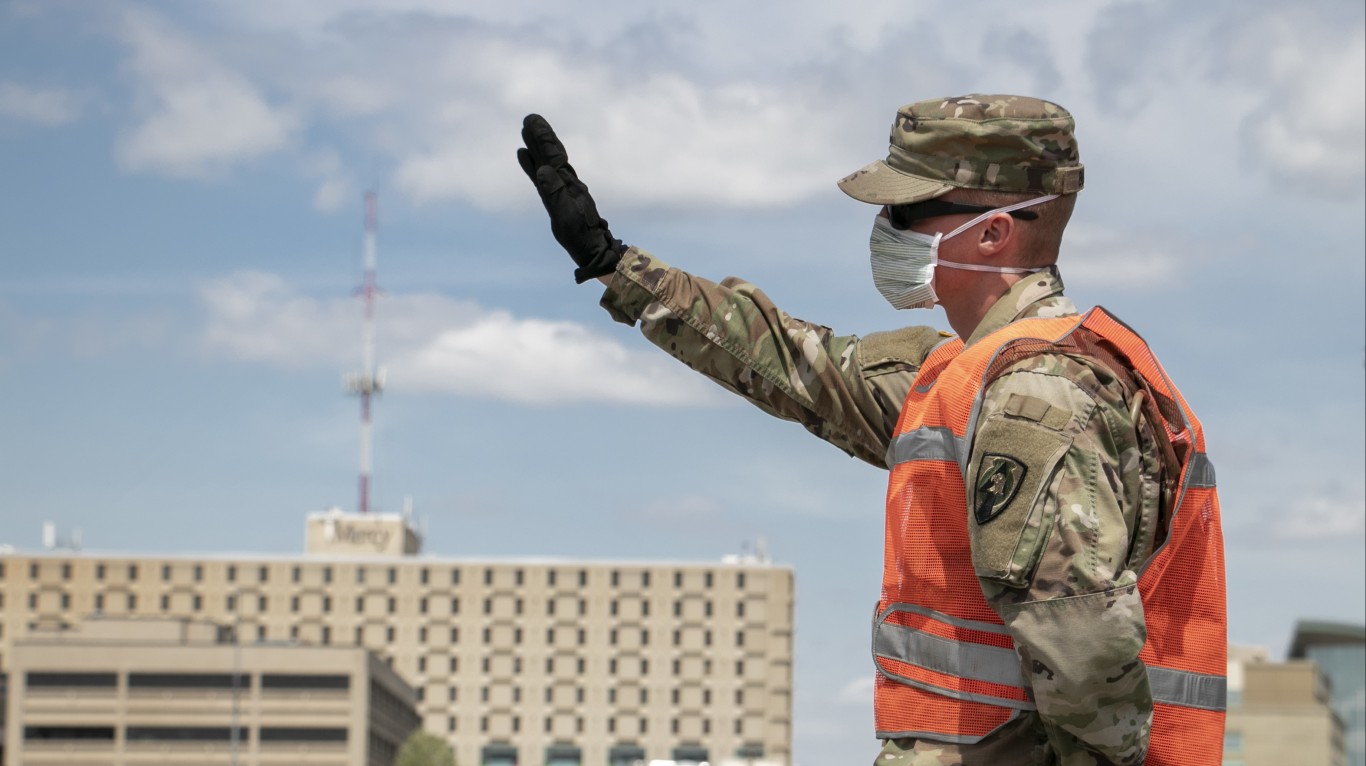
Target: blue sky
181,235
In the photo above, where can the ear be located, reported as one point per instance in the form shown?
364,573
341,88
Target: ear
999,236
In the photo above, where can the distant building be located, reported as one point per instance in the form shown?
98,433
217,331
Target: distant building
560,662
1340,652
175,691
1279,713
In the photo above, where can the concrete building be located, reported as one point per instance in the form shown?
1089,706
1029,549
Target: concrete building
1340,652
1279,713
526,662
135,692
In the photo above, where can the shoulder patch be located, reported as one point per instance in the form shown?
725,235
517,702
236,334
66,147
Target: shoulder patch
998,480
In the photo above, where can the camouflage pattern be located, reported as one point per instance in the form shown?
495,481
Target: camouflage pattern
1064,585
1001,143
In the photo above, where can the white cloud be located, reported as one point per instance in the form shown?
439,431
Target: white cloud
40,106
337,188
1098,257
1321,518
440,345
857,692
637,137
198,116
1308,131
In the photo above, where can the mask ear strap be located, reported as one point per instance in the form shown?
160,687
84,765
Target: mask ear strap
1006,209
992,269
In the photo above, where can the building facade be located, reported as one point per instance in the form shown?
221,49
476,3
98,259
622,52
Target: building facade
137,692
1280,713
514,662
1339,650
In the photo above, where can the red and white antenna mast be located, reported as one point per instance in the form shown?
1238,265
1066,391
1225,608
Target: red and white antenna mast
370,380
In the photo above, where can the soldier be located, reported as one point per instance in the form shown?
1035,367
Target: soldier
1053,578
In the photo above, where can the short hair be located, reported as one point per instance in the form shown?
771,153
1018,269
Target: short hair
1041,238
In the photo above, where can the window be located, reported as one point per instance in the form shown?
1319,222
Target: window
389,634
739,638
422,605
455,606
488,576
197,604
99,602
327,574
305,681
263,574
327,635
232,573
165,572
165,603
327,604
517,576
613,608
422,664
99,572
393,575
132,572
301,734
450,722
455,636
66,571
294,604
707,578
451,694
644,579
132,602
455,665
583,578
262,603
360,575
739,579
616,578
62,680
360,604
393,605
739,609
678,579
455,577
198,572
296,574
550,577
66,601
423,575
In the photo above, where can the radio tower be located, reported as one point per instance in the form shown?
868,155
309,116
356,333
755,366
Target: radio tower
370,380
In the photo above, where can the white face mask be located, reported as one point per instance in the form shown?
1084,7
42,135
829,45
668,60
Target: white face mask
903,261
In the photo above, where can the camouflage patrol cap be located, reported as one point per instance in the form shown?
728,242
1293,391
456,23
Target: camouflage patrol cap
1001,143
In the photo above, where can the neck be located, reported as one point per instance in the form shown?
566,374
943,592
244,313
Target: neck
966,313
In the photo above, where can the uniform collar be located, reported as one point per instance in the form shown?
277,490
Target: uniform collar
1038,294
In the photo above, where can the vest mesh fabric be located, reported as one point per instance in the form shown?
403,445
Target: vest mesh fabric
928,561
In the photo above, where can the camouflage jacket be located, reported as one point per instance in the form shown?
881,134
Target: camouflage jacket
1060,569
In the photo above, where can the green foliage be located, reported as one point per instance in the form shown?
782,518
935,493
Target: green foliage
424,749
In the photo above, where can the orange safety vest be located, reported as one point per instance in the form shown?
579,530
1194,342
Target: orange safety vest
947,668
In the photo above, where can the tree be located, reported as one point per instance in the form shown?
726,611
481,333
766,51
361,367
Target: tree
424,749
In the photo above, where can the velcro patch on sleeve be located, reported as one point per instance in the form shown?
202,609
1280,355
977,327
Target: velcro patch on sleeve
1012,461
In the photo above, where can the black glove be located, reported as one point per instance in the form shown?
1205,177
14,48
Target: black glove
573,217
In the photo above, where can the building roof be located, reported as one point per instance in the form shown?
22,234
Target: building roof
1309,633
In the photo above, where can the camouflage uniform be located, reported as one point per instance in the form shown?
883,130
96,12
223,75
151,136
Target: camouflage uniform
1058,566
1060,571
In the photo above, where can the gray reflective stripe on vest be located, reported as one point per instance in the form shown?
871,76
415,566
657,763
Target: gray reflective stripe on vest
1202,472
980,662
1187,689
925,444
